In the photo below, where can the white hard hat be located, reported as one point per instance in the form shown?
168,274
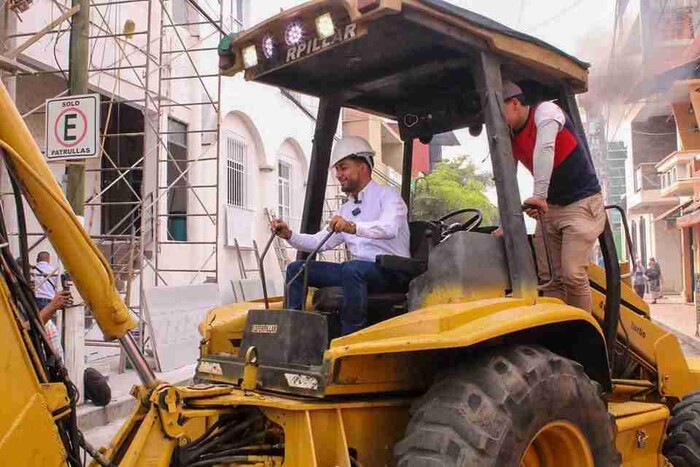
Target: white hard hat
352,146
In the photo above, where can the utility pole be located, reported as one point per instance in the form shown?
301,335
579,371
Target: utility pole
74,317
78,84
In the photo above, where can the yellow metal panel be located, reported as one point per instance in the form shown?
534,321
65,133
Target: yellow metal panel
56,397
675,378
456,325
137,444
596,274
323,434
655,345
374,446
640,433
299,446
627,408
91,272
28,434
329,437
32,439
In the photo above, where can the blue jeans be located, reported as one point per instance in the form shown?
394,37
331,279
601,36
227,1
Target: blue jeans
41,302
357,278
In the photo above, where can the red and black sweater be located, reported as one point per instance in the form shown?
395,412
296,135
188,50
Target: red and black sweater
573,175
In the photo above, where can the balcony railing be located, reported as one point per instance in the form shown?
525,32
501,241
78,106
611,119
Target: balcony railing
676,174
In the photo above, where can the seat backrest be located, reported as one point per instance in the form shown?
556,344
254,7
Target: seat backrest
424,235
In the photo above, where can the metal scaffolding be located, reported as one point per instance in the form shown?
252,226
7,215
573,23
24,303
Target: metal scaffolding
155,144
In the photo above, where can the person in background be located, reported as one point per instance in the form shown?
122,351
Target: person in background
653,275
60,300
48,299
45,278
639,280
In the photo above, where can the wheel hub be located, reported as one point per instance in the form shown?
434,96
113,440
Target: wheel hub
558,444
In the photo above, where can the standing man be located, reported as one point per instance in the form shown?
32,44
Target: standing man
46,313
48,299
373,221
653,274
639,280
566,192
46,279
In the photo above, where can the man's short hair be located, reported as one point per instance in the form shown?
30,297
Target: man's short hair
43,256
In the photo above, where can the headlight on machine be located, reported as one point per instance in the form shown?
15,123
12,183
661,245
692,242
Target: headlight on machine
294,34
268,46
250,56
324,26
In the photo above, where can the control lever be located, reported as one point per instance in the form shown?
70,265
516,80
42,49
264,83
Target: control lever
540,217
261,266
304,268
628,239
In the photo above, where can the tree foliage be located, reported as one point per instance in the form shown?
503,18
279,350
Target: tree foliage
454,184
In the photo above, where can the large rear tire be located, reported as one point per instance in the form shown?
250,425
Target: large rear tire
515,406
682,444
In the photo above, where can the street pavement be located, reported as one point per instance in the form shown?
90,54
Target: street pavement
680,318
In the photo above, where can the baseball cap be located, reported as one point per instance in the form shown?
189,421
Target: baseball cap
510,90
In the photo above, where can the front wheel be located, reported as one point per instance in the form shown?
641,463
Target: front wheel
516,406
682,444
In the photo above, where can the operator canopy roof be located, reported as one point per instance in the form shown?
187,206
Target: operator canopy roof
409,60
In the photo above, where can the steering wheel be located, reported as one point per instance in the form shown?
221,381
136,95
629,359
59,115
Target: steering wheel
472,223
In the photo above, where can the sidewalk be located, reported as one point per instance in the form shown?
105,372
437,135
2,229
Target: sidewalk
673,313
90,416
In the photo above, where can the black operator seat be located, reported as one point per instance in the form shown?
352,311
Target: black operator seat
381,306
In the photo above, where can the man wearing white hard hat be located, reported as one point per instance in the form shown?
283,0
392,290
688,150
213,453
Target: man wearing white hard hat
373,221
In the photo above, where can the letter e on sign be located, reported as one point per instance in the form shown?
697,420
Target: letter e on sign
72,127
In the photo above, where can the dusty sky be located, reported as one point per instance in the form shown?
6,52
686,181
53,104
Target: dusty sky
568,25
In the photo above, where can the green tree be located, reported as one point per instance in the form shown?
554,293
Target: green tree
454,184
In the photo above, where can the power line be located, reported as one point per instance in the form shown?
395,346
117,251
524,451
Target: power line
558,15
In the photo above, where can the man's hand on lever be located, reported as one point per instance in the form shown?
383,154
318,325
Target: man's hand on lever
533,205
338,224
281,229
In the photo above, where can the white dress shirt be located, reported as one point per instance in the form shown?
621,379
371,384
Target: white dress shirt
47,276
381,218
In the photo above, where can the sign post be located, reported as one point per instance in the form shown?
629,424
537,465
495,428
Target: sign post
72,127
72,133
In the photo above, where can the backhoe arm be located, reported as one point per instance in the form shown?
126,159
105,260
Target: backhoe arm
90,271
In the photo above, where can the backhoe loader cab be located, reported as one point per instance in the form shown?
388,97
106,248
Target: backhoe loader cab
471,367
430,67
494,374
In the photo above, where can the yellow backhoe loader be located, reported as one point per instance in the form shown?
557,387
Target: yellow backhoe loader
472,367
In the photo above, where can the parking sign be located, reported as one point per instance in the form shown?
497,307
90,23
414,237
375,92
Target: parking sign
72,127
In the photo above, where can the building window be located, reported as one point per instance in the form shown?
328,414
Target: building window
238,12
177,181
237,172
284,190
633,233
180,12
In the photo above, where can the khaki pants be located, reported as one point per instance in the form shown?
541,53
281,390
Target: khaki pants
571,233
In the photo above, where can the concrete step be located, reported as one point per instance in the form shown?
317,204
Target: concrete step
101,436
91,417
